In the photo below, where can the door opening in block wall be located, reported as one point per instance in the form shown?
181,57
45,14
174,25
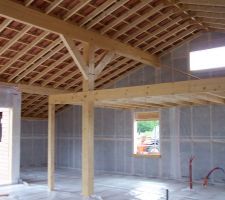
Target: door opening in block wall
5,145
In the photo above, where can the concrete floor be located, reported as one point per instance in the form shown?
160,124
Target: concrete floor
108,187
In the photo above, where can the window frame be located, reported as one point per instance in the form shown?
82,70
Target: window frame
152,155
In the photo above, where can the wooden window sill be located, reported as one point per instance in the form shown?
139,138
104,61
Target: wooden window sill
146,155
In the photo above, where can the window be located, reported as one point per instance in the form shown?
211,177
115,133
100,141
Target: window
207,59
146,133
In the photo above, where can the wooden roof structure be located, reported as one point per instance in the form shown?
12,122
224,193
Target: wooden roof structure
42,41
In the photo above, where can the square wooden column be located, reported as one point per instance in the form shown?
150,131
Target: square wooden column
51,146
87,148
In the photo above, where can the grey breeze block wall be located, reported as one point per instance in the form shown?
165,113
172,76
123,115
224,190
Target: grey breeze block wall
185,131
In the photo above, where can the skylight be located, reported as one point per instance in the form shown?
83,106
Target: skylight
207,59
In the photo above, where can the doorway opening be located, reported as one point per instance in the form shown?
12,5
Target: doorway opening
5,146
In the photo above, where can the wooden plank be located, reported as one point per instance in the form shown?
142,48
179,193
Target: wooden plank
168,35
99,9
40,20
14,40
137,21
21,53
204,8
204,2
105,13
210,15
39,62
76,9
53,5
4,24
51,146
28,2
59,73
174,39
49,68
148,26
162,89
124,16
157,31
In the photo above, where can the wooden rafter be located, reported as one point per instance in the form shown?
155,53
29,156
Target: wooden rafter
21,53
30,16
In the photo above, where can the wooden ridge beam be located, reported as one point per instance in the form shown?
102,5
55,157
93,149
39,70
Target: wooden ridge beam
30,16
162,89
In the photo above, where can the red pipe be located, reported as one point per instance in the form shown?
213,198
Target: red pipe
190,171
205,182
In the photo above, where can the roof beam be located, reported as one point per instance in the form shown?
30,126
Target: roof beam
103,63
34,89
204,2
76,55
53,5
40,20
156,90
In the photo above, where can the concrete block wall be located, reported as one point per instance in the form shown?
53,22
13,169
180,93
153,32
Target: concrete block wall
34,143
185,131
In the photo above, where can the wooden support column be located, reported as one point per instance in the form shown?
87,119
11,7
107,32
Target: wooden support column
88,126
87,148
51,146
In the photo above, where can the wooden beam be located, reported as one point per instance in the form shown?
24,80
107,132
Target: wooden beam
14,39
22,52
49,68
34,89
4,24
105,13
80,5
204,8
53,5
138,20
57,74
30,16
99,9
176,38
76,55
125,15
162,89
87,148
149,26
51,146
45,57
210,15
103,63
204,2
154,34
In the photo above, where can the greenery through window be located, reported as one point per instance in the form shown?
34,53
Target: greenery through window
146,133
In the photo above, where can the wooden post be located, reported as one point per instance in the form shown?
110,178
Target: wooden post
88,127
87,148
51,146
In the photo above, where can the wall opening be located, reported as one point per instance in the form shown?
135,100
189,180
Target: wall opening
146,133
207,59
5,146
